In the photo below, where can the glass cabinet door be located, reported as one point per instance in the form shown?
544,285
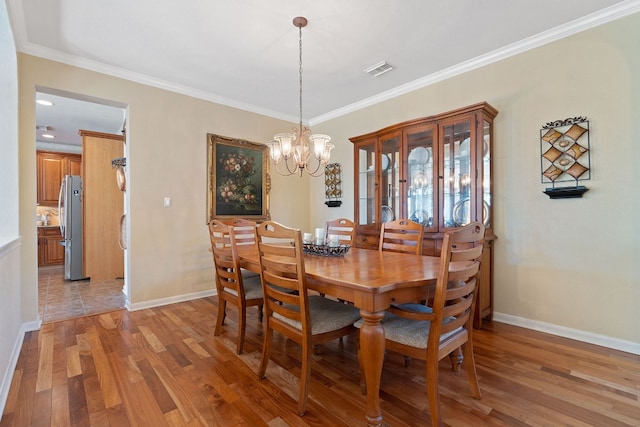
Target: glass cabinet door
390,177
456,170
421,176
366,163
486,174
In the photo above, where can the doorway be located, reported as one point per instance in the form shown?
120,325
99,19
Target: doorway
59,117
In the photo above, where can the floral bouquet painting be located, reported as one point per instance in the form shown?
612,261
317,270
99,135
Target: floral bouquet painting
237,172
235,185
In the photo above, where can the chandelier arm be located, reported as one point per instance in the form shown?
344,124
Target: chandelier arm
319,170
288,173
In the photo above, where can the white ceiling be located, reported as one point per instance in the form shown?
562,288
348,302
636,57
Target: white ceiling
245,53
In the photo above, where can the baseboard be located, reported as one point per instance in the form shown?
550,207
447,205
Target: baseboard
13,361
169,300
576,334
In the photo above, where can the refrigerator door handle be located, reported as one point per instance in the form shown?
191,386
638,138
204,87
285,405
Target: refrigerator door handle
61,204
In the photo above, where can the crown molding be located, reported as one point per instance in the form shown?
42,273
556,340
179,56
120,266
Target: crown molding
595,19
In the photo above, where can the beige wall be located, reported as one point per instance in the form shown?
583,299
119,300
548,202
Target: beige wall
168,253
565,263
568,263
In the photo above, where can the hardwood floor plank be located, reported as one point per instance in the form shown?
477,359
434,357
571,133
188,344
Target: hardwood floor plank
42,408
105,376
14,391
60,405
78,412
45,363
73,361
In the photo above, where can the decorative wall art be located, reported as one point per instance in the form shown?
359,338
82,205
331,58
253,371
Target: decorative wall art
565,156
333,185
238,180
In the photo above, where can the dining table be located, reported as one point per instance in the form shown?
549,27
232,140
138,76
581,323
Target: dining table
371,280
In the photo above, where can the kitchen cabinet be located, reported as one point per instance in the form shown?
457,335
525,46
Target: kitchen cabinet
50,252
51,168
435,171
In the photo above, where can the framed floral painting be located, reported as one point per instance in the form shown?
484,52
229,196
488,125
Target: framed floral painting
238,179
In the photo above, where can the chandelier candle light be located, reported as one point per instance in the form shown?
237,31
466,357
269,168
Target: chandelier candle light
296,144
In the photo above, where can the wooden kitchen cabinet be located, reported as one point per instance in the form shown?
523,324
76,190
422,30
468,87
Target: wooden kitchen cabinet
435,171
51,169
50,252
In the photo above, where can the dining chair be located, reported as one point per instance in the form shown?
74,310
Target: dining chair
232,288
305,319
401,235
344,228
433,332
245,234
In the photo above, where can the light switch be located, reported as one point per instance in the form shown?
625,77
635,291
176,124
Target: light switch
167,202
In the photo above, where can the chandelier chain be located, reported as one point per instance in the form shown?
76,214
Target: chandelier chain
300,72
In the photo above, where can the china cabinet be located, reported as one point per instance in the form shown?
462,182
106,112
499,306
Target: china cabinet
435,171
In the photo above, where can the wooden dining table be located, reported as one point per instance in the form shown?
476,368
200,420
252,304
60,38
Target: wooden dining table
372,281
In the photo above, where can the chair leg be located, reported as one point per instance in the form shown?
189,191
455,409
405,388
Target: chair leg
222,308
305,376
456,358
407,361
242,326
469,366
433,393
266,351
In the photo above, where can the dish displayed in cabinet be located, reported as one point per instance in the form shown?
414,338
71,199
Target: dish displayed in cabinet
387,214
461,214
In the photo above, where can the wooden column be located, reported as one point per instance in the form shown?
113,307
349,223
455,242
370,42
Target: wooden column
103,206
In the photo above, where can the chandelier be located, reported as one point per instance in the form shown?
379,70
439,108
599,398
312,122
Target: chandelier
296,145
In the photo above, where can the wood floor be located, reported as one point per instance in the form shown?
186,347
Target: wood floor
163,366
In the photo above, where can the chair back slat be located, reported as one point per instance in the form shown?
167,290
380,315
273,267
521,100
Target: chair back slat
402,235
244,230
342,227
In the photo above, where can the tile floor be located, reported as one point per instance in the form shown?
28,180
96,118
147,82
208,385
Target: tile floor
59,299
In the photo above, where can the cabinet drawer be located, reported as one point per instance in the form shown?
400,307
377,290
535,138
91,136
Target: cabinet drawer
365,241
49,232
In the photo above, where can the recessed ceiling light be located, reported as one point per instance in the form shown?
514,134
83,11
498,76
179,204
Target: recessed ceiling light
48,135
44,102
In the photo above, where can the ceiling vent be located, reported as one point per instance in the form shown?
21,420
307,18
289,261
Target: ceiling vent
43,127
379,68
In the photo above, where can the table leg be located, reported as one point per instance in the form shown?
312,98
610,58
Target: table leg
372,354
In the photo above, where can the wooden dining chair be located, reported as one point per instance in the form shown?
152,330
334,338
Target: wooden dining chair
231,286
344,228
245,234
433,332
305,319
402,235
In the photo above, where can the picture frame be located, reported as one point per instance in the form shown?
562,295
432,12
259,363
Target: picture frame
238,179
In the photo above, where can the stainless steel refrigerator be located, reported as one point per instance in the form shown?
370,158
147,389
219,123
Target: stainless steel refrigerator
70,214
